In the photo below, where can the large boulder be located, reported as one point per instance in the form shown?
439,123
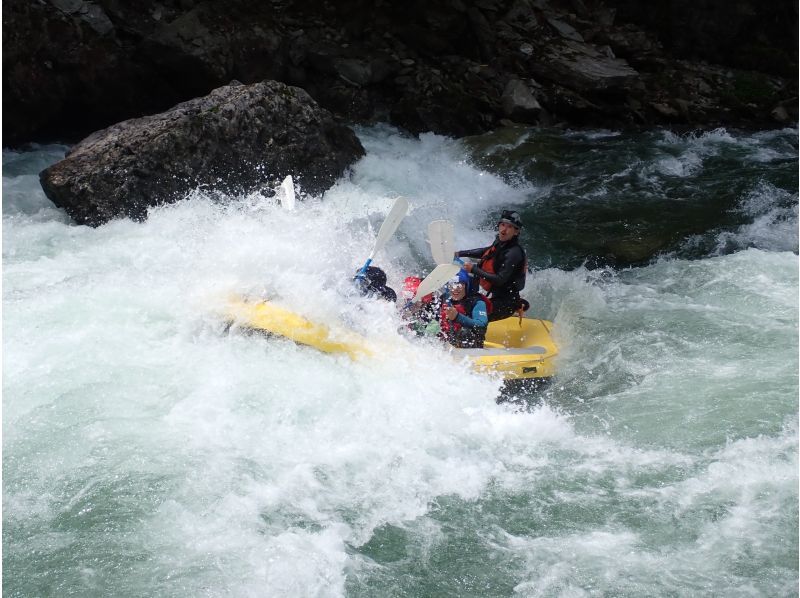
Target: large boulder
236,139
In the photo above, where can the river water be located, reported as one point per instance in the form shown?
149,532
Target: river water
147,451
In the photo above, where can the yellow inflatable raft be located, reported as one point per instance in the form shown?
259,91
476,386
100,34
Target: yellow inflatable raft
271,318
515,349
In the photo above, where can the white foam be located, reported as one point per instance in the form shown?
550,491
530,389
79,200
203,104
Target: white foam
774,225
241,464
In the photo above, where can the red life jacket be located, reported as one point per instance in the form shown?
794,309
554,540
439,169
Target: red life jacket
458,335
449,326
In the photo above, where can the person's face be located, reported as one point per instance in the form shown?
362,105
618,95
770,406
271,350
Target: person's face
506,231
457,291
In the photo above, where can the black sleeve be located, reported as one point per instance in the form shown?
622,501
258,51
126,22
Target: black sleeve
474,253
507,272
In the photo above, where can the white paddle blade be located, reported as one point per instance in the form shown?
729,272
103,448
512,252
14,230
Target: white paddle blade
390,224
440,236
287,195
436,280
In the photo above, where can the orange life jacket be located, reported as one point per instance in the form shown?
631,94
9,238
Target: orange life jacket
487,265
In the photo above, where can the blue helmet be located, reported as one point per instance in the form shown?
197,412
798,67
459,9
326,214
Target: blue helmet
464,278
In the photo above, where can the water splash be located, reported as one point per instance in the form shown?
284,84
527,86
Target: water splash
146,450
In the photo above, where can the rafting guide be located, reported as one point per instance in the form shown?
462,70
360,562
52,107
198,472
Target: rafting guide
502,267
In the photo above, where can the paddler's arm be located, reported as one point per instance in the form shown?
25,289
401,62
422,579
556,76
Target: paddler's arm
473,253
479,316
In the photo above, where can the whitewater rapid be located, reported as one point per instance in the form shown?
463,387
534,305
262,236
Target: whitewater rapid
149,451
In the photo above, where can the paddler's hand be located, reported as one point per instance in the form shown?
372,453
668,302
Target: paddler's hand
468,267
451,313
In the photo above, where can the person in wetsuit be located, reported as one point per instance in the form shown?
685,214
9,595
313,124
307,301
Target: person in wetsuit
502,267
422,316
464,316
373,284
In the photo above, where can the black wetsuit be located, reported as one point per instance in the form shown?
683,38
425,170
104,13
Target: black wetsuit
373,283
508,279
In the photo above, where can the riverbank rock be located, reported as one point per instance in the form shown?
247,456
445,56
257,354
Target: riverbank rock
73,66
235,140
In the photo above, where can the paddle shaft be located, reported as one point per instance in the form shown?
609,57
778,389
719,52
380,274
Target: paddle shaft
390,224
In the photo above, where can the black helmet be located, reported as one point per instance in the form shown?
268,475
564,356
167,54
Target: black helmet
511,217
376,278
373,282
388,294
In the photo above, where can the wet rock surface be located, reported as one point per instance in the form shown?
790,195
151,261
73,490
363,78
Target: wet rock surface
237,139
72,66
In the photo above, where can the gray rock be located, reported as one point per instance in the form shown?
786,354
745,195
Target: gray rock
74,66
189,44
519,103
97,19
780,114
565,30
483,32
381,69
583,68
664,109
236,139
353,71
68,6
